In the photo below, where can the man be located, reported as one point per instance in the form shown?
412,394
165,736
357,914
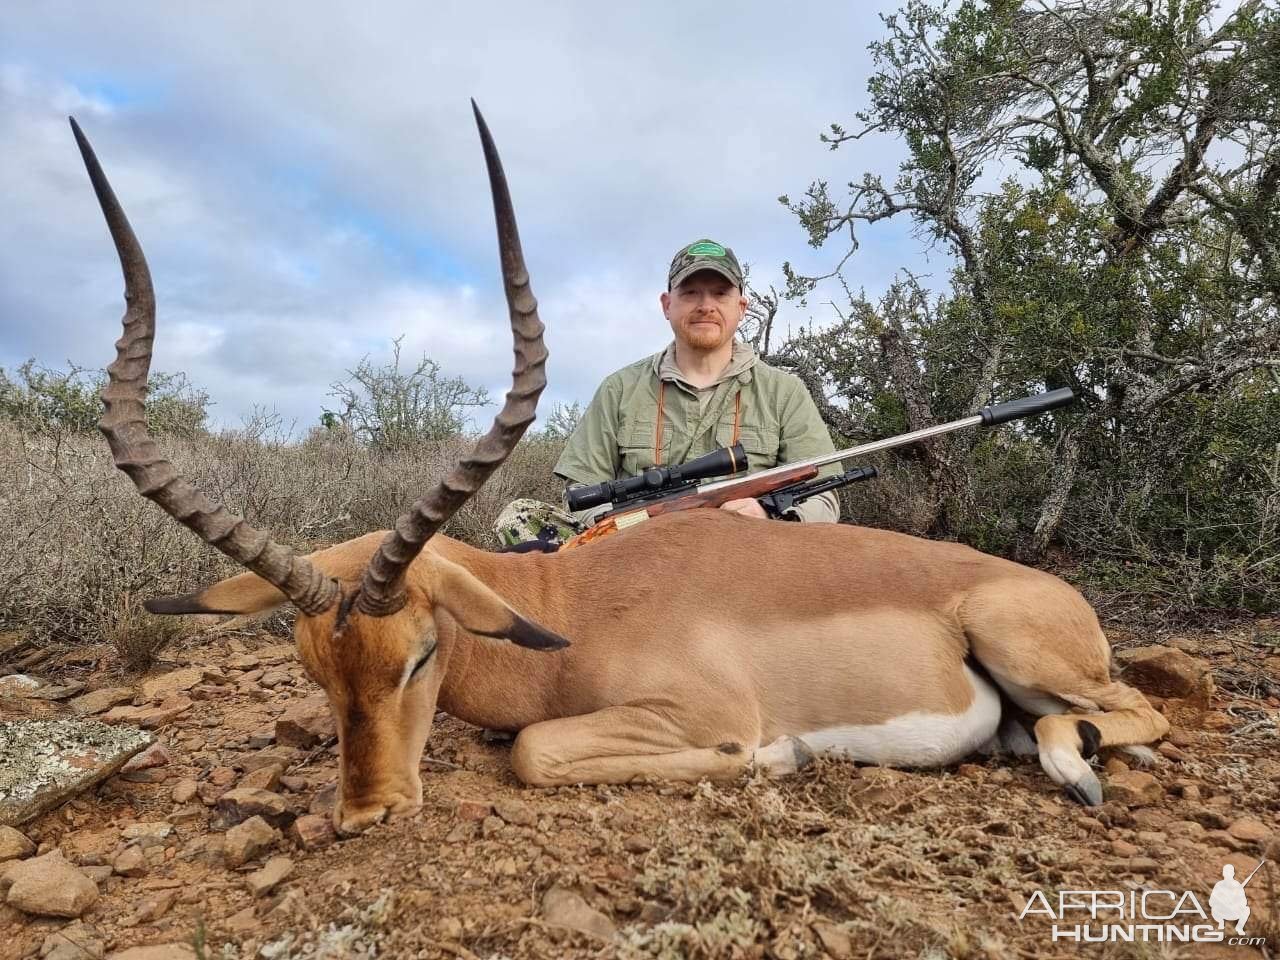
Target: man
704,390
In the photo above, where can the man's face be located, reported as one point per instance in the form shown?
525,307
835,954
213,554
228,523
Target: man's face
704,310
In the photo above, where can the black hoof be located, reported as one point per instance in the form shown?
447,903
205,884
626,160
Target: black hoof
1087,793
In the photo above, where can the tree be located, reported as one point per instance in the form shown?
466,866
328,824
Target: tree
1131,253
47,400
562,421
392,409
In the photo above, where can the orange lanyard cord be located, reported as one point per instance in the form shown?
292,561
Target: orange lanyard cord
657,437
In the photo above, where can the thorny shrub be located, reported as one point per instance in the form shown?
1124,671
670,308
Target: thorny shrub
80,549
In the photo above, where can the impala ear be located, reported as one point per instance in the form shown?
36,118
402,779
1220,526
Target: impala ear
480,610
243,593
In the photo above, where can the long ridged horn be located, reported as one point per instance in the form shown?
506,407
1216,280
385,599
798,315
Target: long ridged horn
135,452
382,591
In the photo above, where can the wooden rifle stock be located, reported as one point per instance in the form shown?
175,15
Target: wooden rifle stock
747,487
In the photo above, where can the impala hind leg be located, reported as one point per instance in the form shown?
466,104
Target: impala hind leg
1043,646
1126,720
622,745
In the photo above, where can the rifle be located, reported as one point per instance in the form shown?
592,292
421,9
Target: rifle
662,490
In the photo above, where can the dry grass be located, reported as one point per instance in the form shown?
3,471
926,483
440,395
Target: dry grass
80,550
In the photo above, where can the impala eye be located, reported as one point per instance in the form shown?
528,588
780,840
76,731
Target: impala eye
422,661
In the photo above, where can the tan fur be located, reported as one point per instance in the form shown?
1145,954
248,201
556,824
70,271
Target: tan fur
696,638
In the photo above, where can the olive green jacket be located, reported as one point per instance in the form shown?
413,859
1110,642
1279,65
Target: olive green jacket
776,419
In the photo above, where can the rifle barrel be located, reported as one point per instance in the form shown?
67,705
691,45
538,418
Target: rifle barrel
988,416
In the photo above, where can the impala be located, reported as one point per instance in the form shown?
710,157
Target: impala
699,644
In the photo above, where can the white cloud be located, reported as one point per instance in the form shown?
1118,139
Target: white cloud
307,182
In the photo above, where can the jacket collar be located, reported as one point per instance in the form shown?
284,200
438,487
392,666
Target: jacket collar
740,364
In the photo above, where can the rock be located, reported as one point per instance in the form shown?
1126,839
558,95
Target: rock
1151,819
264,778
1123,848
311,832
246,841
306,723
98,873
184,791
1249,830
96,701
274,678
450,928
241,661
1167,672
147,835
1170,752
1180,737
636,844
18,685
294,784
281,756
242,923
49,886
1210,819
158,951
1185,828
186,814
75,941
324,800
274,871
209,792
461,833
491,826
970,771
131,862
834,940
517,812
1134,789
155,906
58,759
150,718
58,691
264,737
474,809
90,847
565,908
170,684
221,776
156,755
276,653
1115,765
14,844
245,802
1143,865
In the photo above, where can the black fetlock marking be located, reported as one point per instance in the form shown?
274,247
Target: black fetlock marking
1090,739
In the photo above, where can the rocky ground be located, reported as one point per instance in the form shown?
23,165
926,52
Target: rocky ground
215,842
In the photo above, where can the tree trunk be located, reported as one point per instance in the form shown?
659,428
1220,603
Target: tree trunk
1067,458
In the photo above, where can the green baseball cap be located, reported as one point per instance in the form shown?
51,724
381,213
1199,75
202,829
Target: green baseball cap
704,255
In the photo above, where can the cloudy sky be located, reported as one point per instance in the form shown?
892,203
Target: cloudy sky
307,183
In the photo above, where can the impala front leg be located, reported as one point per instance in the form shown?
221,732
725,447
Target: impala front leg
625,744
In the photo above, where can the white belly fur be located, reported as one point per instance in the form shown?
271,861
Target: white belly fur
916,739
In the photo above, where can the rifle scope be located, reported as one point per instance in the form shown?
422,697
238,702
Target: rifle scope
659,479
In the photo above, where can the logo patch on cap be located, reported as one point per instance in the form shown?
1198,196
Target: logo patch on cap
706,249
